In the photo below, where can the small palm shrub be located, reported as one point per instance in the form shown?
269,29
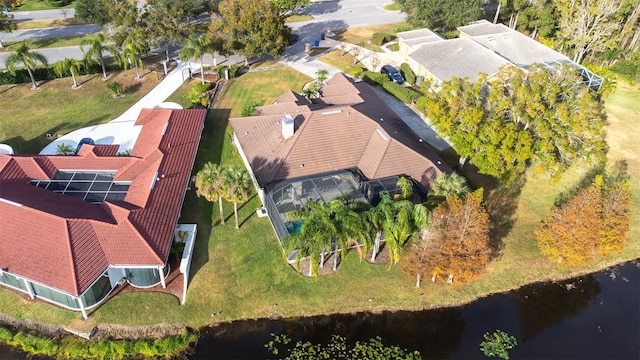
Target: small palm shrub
115,89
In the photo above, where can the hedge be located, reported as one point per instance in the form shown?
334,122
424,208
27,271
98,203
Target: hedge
407,73
21,76
356,71
381,38
403,93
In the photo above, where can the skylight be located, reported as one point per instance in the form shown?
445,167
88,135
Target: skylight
94,186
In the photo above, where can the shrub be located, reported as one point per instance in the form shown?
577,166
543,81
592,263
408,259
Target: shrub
395,47
250,109
198,94
407,73
381,38
115,88
373,78
403,93
630,70
354,70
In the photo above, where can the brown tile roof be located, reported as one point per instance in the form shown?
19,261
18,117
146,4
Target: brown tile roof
66,243
352,128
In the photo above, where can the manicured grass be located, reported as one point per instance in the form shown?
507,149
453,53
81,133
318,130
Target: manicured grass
298,18
393,7
27,115
52,42
242,273
362,35
38,24
339,60
31,5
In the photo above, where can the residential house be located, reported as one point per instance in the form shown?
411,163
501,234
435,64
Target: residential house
75,227
482,47
347,142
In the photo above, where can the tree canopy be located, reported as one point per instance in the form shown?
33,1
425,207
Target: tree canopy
593,223
588,25
455,244
543,117
441,15
252,28
92,12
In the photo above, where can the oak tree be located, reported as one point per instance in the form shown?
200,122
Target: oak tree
588,25
441,15
544,117
252,28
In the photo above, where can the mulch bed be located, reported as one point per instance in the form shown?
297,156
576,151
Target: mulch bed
303,268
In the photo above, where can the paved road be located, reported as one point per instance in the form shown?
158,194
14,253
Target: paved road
50,33
328,14
43,14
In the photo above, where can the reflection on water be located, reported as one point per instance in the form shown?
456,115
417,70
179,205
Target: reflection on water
594,316
543,305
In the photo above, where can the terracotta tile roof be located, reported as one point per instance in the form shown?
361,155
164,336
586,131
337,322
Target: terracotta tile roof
365,134
66,243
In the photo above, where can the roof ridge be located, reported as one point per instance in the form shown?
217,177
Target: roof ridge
74,272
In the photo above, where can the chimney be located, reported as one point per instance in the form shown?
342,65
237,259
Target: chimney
287,126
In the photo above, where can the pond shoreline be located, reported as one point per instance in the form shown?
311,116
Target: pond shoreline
162,330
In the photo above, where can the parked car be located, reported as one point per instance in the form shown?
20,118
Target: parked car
393,74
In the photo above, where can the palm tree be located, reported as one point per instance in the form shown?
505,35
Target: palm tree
321,76
96,51
400,221
237,187
71,65
195,48
30,59
315,236
132,54
449,184
210,183
350,227
311,92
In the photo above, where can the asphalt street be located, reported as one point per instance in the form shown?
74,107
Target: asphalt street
327,14
43,14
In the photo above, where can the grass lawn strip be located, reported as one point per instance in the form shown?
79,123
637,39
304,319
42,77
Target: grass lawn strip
52,42
242,273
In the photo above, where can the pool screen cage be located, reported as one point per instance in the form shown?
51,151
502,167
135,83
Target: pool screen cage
292,194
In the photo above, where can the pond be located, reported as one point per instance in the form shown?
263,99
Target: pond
593,316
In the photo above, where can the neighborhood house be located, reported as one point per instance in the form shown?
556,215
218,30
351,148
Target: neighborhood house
75,227
346,142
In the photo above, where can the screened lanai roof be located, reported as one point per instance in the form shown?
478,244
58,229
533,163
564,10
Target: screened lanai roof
289,195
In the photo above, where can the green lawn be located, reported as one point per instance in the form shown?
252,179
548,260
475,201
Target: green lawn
27,115
51,42
38,24
242,273
32,5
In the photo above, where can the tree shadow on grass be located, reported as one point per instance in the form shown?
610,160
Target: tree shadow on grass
132,89
501,203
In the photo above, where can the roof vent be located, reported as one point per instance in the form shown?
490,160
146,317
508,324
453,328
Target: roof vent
491,38
288,126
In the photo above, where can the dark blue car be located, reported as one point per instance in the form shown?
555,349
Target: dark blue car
393,74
